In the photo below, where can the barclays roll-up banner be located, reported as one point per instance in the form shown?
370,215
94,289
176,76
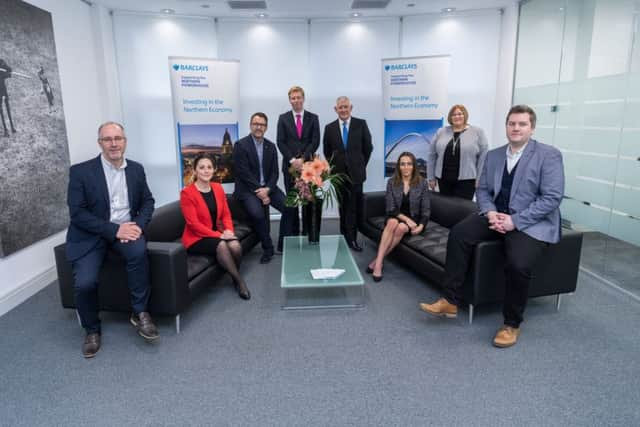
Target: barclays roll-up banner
414,93
206,98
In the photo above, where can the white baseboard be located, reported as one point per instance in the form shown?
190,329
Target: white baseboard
26,290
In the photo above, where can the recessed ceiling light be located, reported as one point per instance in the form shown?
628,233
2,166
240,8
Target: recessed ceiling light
205,6
448,9
356,15
168,11
262,15
411,4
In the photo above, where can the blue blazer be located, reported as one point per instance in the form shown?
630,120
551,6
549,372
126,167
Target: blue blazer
89,206
536,192
246,167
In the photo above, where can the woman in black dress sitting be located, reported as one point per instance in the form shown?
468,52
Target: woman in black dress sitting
408,209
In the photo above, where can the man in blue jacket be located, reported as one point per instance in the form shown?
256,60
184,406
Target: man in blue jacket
110,204
255,163
519,195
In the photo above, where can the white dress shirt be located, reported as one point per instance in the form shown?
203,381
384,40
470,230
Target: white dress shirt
512,158
118,191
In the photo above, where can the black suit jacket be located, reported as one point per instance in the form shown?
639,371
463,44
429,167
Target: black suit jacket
287,138
90,209
353,161
246,167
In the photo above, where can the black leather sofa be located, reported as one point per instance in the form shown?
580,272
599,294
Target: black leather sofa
176,277
556,273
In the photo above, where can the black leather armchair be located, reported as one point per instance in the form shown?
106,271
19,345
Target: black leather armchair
555,274
176,277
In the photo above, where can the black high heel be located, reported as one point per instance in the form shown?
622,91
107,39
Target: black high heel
245,295
369,270
377,278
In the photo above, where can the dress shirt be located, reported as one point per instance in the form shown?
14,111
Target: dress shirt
118,191
301,116
512,158
260,149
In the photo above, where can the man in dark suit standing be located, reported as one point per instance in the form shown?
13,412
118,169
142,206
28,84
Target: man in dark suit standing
298,139
110,204
255,161
347,145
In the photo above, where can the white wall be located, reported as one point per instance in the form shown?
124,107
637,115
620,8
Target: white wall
29,270
143,44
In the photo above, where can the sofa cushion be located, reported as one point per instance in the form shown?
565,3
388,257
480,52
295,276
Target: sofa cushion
432,243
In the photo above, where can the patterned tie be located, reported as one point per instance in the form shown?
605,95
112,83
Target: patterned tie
299,125
345,134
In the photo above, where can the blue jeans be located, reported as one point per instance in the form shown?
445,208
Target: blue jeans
86,271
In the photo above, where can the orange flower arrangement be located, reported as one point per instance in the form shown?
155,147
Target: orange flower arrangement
313,182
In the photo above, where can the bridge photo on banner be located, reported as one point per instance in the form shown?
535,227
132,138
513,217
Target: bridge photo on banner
414,93
206,95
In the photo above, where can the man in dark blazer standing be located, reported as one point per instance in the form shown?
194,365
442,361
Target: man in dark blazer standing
347,146
298,139
110,204
255,162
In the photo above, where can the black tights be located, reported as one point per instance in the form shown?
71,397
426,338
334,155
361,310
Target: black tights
227,252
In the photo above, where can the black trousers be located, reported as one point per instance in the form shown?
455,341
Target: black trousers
465,188
521,254
350,209
260,219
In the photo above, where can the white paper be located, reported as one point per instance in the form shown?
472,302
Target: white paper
326,273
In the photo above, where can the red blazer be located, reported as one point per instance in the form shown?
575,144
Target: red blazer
197,216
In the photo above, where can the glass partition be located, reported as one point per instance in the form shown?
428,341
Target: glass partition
578,66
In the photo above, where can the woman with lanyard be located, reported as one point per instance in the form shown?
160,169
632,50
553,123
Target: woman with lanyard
456,156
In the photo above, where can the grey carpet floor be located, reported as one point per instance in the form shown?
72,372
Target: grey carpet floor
250,363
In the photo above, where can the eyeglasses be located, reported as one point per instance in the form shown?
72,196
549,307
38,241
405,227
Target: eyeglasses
259,125
109,140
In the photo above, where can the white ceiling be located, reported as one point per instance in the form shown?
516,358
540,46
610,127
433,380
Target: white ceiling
300,8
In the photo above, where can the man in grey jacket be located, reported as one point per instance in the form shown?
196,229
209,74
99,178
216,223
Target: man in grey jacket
519,195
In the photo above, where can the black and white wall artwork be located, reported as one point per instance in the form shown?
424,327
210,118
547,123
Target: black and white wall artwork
34,154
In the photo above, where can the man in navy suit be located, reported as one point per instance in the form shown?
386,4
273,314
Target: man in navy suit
347,145
255,161
110,204
298,139
519,195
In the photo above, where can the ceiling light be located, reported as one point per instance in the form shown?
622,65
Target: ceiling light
205,6
262,15
411,4
448,9
168,11
356,15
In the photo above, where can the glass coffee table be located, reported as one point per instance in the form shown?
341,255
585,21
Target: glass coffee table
301,291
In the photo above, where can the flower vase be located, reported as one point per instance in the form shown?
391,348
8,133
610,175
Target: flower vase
312,218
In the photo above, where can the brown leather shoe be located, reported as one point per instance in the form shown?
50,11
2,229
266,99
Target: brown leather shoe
91,345
144,325
442,308
506,336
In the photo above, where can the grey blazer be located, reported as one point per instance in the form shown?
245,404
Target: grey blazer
419,201
536,192
473,149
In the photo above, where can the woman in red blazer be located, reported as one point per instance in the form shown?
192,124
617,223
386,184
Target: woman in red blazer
201,202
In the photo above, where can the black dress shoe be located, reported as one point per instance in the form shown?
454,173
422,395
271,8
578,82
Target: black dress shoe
266,257
377,278
144,325
91,345
355,246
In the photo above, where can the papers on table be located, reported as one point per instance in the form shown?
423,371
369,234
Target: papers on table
326,273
